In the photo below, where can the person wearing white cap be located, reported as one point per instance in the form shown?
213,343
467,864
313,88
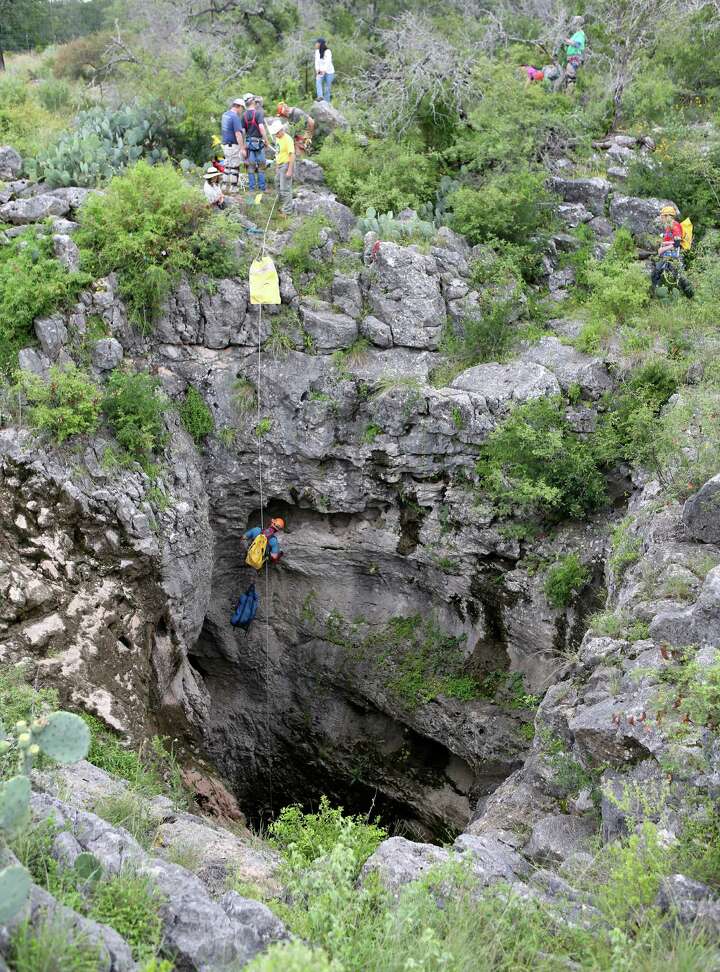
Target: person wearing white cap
212,188
232,140
285,166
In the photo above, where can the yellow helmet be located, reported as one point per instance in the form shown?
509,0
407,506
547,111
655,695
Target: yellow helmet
668,211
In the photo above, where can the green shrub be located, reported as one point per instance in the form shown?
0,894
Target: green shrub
81,58
109,754
151,228
564,581
195,416
131,811
697,853
627,429
135,409
475,340
102,143
386,174
67,404
305,239
509,206
32,284
54,95
130,904
292,957
47,946
305,837
534,463
635,868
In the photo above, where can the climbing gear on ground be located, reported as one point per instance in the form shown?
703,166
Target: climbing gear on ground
687,234
257,554
264,282
246,609
278,523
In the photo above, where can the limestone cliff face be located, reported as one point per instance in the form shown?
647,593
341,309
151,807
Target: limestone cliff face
372,467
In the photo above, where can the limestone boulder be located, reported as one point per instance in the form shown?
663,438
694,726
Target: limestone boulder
701,513
11,163
640,216
33,210
404,292
555,837
569,366
327,118
591,193
329,331
504,384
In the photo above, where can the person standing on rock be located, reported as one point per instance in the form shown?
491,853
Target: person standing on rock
264,544
255,142
575,50
324,70
285,165
232,141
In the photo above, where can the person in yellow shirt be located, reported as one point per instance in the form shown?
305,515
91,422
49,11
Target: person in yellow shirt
285,164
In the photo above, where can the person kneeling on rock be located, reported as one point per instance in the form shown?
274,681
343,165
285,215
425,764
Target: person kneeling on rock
264,545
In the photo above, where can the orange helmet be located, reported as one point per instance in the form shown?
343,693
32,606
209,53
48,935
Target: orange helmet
282,109
278,523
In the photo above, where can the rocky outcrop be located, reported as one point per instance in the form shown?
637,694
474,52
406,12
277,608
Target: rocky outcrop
11,163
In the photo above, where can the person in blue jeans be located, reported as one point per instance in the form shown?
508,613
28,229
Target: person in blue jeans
255,141
324,70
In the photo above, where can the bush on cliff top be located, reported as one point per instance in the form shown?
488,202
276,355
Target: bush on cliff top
32,284
151,228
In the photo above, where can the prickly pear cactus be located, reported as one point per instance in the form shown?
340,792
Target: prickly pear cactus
87,867
14,891
62,736
14,805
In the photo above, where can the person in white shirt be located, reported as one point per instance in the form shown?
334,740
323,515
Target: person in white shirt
212,188
324,70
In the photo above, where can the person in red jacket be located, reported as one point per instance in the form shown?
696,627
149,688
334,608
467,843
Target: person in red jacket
670,259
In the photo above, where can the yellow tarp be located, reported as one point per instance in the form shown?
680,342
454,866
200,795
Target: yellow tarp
264,283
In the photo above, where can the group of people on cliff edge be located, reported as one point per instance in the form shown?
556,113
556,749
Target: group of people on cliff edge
246,138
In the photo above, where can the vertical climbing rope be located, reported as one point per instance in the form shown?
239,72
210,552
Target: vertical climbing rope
262,526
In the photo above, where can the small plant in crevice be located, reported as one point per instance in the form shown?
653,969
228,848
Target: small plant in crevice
263,428
372,431
195,415
565,580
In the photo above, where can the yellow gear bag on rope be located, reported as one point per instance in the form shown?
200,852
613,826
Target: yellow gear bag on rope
257,554
687,234
264,283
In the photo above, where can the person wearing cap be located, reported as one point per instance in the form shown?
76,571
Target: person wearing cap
296,116
575,50
255,142
232,140
212,188
670,258
324,70
285,166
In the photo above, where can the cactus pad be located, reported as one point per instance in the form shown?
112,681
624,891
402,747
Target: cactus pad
14,891
14,804
65,738
88,867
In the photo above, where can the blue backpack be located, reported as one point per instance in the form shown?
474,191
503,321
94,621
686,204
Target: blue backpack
246,609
